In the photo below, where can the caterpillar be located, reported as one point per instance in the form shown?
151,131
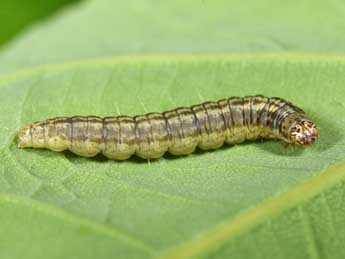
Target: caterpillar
179,131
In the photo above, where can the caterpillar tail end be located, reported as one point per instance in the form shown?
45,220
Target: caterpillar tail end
24,138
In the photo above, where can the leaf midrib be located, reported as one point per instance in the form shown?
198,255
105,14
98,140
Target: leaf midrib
113,60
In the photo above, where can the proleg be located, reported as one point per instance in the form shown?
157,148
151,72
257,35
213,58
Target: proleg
180,131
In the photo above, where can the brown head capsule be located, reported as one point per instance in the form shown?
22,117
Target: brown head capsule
303,132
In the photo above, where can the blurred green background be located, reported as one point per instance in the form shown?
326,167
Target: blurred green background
16,15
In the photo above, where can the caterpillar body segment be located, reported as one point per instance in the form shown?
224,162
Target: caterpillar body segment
180,131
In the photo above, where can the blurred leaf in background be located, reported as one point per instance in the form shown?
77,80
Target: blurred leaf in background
16,15
103,28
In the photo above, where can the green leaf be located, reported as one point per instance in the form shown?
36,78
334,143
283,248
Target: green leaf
254,200
16,15
232,201
103,28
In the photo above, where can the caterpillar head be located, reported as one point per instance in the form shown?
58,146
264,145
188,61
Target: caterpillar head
303,132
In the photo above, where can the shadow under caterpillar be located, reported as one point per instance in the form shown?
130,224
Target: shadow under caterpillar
179,131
